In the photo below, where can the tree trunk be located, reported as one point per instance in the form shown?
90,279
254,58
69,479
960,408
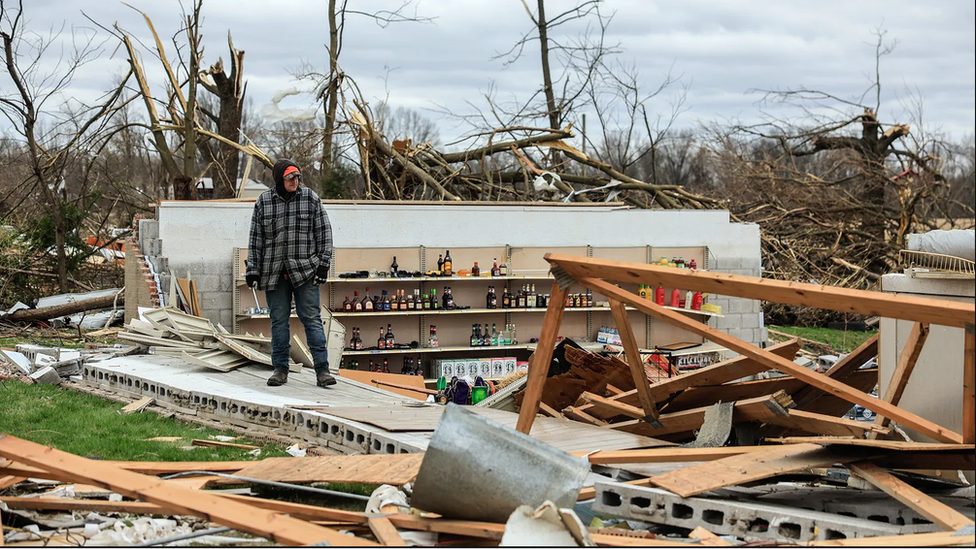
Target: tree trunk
331,94
546,75
47,313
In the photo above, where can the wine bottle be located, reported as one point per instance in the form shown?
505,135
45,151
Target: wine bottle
394,268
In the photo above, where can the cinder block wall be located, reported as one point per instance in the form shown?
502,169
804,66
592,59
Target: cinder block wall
199,237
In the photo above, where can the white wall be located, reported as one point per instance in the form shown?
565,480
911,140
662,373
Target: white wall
199,237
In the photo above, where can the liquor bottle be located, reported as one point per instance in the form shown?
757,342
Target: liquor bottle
432,339
569,300
394,268
347,305
589,298
386,301
506,299
530,299
476,270
381,341
390,340
642,291
386,367
448,264
495,271
542,300
474,336
522,298
494,336
357,305
576,300
359,340
372,367
584,300
403,300
368,304
448,298
434,303
440,262
424,302
503,268
416,299
492,299
514,338
411,305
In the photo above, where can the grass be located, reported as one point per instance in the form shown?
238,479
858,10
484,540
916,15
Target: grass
91,427
838,340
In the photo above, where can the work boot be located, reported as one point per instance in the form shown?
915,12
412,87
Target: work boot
279,377
323,378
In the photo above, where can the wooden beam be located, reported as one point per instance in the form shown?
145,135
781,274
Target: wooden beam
969,386
219,444
632,352
772,361
919,309
572,412
548,410
885,444
539,368
903,371
750,467
930,508
666,455
273,526
841,370
385,532
619,408
10,480
78,505
137,405
757,409
800,420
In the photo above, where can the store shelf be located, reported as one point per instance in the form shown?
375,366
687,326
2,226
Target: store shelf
693,312
429,279
425,350
458,312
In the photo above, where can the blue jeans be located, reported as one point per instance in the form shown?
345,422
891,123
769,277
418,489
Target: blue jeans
307,307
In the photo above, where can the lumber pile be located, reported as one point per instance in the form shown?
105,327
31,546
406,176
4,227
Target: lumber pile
167,330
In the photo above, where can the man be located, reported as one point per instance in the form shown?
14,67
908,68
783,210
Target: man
289,253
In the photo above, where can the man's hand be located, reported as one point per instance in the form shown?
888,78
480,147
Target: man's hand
252,281
321,275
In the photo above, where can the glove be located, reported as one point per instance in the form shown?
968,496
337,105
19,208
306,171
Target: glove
252,281
321,275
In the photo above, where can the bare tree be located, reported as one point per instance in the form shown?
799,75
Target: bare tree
58,139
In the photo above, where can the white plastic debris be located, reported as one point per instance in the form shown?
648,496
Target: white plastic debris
385,495
222,438
545,526
296,451
255,452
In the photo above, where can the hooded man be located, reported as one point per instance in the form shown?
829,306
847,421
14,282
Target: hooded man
289,253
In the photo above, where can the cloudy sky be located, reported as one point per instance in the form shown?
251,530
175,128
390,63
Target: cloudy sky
723,51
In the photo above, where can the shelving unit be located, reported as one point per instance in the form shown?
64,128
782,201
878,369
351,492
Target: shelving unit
527,266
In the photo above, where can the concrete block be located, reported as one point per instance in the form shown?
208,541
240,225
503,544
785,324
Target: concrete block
749,321
46,374
751,521
743,306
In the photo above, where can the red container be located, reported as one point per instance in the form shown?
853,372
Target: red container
696,301
659,296
675,297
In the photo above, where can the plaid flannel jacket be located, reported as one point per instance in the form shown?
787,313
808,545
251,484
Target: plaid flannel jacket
292,237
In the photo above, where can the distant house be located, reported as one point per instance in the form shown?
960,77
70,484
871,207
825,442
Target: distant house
252,189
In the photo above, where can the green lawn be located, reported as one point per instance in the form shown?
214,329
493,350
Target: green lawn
839,340
91,427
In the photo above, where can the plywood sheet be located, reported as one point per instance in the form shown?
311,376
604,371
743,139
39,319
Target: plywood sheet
399,379
395,469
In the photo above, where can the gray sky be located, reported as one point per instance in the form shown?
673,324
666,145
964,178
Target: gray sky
721,50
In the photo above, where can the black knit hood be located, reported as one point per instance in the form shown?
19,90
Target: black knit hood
278,173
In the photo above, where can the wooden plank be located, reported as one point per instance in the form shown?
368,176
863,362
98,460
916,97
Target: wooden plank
399,379
385,532
273,526
705,537
930,508
772,361
716,374
756,409
385,384
573,412
137,406
395,469
969,386
218,444
885,444
539,367
666,455
841,370
633,355
10,480
800,420
750,467
145,467
919,309
903,371
80,505
547,410
619,408
936,539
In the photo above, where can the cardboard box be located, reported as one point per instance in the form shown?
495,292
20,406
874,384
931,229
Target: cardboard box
484,367
497,367
511,364
472,368
522,366
445,368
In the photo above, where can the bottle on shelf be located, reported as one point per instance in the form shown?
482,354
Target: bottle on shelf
675,297
688,299
664,261
394,268
642,291
589,298
357,304
692,265
411,305
347,305
494,336
386,301
432,338
503,268
697,300
659,295
403,300
448,264
522,298
530,297
440,262
475,270
495,270
386,367
390,339
681,262
434,303
514,339
368,304
359,340
381,341
506,299
491,300
474,336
